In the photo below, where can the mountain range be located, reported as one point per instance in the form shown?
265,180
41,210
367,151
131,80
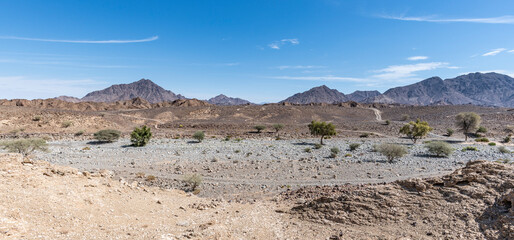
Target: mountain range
486,89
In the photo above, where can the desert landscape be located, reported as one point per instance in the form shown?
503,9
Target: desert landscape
235,120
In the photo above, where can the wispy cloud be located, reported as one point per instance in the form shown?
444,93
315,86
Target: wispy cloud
300,67
278,44
508,19
30,87
399,72
417,58
62,63
511,51
81,41
494,52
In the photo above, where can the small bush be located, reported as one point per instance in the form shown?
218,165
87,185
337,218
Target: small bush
449,132
347,155
506,139
374,148
354,146
440,149
79,133
278,127
199,136
86,149
259,128
364,135
492,144
150,178
307,150
392,151
405,117
335,150
237,151
194,181
317,146
481,130
503,149
469,148
66,124
387,122
107,135
36,118
141,136
482,140
333,155
25,146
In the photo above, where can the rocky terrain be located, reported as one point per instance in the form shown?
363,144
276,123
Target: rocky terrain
489,89
144,88
321,94
227,101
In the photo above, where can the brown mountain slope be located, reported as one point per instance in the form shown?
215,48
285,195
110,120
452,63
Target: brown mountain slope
144,88
321,94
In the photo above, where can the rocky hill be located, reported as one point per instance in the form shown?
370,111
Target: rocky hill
488,89
321,94
227,101
360,96
144,88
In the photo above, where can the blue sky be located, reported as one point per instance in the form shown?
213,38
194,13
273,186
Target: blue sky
263,51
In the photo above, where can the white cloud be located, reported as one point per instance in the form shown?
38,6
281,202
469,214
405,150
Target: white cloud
278,44
62,63
508,19
494,52
416,58
300,67
398,72
80,41
511,51
31,88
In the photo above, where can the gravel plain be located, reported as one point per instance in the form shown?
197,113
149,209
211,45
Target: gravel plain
256,168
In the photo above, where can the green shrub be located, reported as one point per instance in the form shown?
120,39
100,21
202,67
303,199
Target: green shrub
199,136
405,117
440,149
482,140
79,133
259,128
469,148
66,124
322,129
335,150
354,146
141,136
193,180
374,148
503,149
416,130
107,135
506,139
492,144
278,127
36,118
392,151
307,150
481,130
25,146
449,132
387,122
317,146
347,155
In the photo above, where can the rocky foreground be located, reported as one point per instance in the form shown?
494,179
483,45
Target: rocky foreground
44,201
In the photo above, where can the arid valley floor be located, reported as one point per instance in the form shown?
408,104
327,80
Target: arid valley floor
255,185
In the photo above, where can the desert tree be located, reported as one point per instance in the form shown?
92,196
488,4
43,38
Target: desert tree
25,146
259,128
199,136
106,135
140,136
322,129
467,122
277,128
416,130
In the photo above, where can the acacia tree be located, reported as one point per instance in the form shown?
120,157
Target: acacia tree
322,129
416,130
467,122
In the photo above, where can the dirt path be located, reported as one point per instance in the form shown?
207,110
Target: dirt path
378,114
